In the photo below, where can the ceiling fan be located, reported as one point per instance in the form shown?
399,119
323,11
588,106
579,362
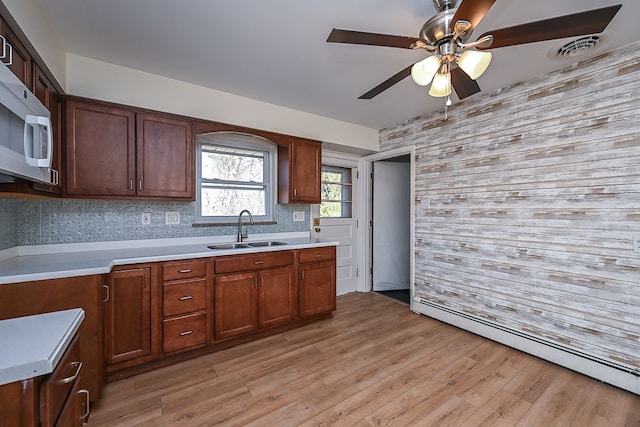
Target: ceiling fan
457,63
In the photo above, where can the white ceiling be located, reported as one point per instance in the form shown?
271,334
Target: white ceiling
276,51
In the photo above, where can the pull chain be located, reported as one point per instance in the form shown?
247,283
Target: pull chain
446,108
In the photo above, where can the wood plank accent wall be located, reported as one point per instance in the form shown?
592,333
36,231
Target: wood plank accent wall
533,200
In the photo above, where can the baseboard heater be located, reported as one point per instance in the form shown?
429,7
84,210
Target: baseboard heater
608,371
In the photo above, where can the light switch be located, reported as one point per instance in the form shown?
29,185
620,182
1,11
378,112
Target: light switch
298,216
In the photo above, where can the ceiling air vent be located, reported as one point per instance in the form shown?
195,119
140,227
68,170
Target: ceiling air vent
578,46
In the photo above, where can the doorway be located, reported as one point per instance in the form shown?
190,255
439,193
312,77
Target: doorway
390,216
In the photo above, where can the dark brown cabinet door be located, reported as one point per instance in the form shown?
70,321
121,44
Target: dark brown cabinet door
113,152
100,150
276,297
128,315
235,305
20,57
317,283
46,93
299,171
164,157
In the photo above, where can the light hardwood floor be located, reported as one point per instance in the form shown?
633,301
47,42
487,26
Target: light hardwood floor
374,363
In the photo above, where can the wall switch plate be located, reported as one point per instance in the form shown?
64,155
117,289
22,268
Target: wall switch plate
298,216
146,218
172,218
636,243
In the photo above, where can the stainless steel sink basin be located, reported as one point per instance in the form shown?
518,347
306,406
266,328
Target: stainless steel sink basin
229,246
269,243
245,245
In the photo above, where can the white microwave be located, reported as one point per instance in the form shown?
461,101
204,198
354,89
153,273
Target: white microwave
25,132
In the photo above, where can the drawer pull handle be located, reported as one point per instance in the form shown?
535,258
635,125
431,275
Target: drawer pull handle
72,378
84,417
185,333
185,298
258,262
318,255
185,271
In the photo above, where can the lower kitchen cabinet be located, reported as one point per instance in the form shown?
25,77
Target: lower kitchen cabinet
245,302
128,316
45,296
185,307
255,291
50,400
276,297
317,281
235,305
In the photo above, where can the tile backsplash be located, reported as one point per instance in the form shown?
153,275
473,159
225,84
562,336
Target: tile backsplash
8,223
37,222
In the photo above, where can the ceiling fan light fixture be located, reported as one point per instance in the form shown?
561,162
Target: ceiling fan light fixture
474,63
422,72
441,85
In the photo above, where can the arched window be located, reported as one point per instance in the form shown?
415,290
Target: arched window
235,172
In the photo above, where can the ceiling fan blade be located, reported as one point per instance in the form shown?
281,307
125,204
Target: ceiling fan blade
396,78
576,24
462,83
472,11
371,39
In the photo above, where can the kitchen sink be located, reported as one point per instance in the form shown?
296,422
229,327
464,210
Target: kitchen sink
245,245
230,246
268,243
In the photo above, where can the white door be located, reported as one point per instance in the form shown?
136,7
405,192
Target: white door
391,226
343,230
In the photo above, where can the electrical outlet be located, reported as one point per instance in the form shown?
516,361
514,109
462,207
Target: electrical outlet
298,216
146,218
172,218
636,243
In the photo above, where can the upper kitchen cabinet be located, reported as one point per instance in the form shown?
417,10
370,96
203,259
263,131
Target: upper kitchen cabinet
164,154
117,152
46,92
17,56
299,171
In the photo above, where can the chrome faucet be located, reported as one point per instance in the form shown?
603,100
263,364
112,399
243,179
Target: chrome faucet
241,235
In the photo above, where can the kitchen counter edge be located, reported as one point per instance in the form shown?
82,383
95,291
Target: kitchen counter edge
44,266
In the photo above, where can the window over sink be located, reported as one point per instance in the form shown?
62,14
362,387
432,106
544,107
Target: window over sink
235,172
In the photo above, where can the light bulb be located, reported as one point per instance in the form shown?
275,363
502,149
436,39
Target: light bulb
474,63
422,72
441,85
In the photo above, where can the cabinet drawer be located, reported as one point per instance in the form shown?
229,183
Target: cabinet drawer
230,264
184,269
184,332
317,254
184,297
70,414
56,388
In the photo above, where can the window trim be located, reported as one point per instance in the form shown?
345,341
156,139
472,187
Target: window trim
346,203
242,141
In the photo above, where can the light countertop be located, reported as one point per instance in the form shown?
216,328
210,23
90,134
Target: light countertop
33,345
71,260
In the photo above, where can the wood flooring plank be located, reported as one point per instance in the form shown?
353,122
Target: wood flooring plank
503,410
